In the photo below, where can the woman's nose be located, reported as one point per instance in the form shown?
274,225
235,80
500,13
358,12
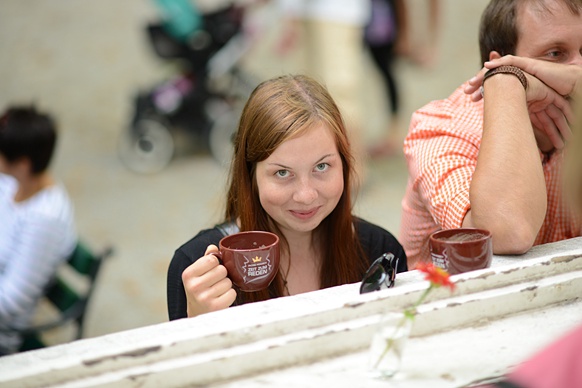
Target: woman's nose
305,192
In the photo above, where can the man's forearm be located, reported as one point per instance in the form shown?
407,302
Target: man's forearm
508,193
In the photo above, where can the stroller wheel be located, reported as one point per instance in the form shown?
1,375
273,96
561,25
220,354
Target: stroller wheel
148,147
221,138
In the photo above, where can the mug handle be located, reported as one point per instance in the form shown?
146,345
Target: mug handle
218,256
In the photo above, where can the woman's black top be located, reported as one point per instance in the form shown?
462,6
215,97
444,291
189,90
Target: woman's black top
375,241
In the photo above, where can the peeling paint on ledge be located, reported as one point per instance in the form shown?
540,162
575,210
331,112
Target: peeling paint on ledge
528,289
483,276
563,259
511,270
133,354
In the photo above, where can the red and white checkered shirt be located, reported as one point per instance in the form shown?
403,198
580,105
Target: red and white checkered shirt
441,149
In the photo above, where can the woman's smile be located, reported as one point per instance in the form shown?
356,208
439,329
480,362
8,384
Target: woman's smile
304,214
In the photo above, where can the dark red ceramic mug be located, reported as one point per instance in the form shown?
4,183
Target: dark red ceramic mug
251,259
461,250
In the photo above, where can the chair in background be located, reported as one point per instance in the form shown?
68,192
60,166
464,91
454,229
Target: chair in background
69,294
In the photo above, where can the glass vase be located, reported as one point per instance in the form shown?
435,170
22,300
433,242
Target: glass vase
388,345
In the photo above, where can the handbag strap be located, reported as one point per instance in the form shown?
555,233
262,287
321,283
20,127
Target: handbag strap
227,228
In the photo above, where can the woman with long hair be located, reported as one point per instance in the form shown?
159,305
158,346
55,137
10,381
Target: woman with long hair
291,174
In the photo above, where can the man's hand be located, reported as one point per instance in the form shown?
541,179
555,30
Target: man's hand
565,79
549,112
551,85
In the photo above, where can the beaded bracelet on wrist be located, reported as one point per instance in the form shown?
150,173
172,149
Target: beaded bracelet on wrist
516,71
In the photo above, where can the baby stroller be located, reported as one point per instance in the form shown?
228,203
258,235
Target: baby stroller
203,101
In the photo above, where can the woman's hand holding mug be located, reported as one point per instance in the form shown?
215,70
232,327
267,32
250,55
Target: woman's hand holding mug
250,260
207,285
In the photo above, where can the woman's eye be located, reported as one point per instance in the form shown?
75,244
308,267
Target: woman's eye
282,173
322,166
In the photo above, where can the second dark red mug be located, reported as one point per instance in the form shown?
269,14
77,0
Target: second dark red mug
461,250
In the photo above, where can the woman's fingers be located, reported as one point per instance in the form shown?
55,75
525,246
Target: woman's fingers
225,300
218,296
206,285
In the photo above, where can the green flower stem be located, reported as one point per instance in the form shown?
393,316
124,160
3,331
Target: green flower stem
409,313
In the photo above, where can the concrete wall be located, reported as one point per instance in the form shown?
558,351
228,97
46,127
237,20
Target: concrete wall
495,318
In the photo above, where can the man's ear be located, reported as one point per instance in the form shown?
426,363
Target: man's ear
494,55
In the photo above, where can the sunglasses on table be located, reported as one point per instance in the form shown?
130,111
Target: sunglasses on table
381,274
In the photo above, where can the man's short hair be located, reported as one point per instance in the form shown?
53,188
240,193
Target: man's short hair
498,30
25,132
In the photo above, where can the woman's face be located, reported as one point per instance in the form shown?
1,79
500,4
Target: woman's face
302,181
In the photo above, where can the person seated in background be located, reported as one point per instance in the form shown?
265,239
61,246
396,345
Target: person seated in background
495,162
37,229
291,174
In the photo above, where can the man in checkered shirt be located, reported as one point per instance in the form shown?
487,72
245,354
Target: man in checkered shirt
491,157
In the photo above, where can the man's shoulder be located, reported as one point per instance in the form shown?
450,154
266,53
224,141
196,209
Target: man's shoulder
7,184
454,113
52,203
458,99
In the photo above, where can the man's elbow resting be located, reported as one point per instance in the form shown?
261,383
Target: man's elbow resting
514,242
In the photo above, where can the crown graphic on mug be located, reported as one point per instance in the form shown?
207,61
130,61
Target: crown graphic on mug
251,259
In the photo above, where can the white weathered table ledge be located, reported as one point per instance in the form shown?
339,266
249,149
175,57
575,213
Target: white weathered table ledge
323,336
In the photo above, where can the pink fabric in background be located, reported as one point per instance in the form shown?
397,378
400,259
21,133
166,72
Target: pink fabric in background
559,365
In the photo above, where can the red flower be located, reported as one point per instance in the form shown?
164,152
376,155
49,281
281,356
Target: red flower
435,275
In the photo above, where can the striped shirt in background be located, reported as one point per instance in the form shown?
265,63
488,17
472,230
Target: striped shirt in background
36,235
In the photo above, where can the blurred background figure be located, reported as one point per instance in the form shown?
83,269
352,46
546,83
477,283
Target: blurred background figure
424,49
204,98
331,33
37,229
388,35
